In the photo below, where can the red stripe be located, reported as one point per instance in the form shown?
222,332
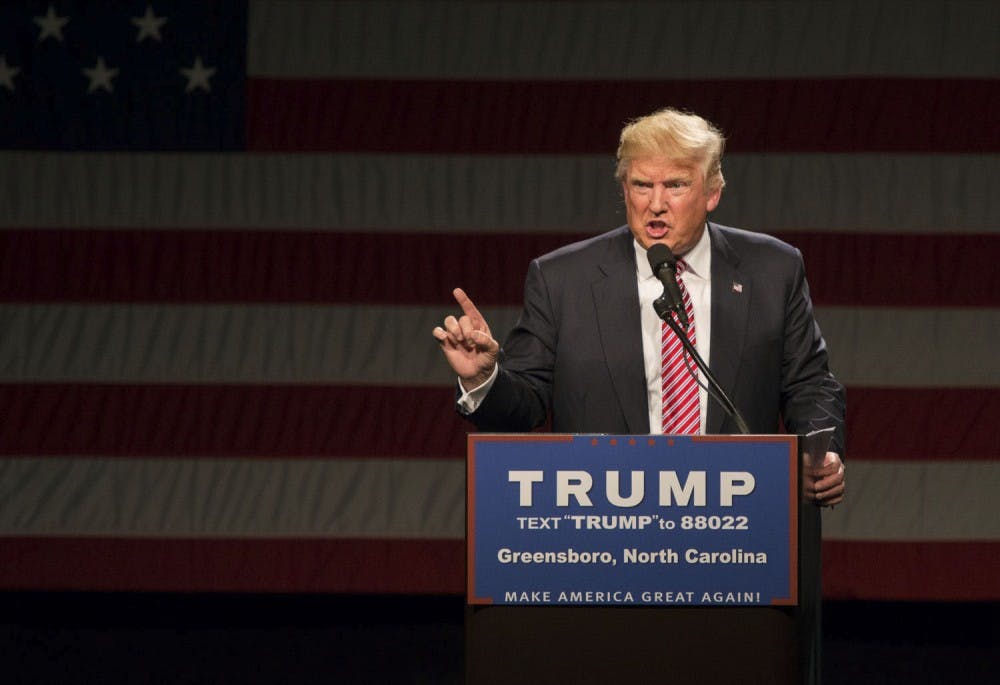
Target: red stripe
347,421
938,571
898,270
263,266
229,421
560,117
916,424
228,565
946,571
406,269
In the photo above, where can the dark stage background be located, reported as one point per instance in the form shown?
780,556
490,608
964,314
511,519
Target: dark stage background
257,639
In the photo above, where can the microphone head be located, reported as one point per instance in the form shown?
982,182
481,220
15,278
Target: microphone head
659,255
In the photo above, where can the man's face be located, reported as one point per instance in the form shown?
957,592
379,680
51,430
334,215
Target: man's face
667,203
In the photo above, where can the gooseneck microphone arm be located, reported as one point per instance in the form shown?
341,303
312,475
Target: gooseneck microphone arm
666,306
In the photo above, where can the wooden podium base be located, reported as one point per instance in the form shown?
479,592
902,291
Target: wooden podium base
677,645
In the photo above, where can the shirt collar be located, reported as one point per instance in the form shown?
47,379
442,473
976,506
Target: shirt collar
698,258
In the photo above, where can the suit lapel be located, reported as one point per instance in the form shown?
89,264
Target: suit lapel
616,301
731,292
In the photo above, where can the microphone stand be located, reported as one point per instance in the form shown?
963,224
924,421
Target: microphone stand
665,312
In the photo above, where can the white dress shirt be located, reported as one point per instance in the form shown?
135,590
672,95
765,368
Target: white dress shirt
697,279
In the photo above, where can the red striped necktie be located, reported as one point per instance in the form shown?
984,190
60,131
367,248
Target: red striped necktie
681,412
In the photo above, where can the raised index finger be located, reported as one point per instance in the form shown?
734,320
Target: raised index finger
468,307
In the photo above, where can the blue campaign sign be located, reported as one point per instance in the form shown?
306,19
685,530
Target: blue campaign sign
642,519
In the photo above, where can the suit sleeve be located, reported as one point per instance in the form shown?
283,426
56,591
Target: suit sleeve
811,397
521,397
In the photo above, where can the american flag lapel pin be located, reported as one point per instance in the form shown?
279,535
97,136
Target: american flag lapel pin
737,287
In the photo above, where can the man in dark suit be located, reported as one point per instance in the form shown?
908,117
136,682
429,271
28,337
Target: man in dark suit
586,351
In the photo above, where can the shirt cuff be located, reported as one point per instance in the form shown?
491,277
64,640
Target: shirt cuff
468,402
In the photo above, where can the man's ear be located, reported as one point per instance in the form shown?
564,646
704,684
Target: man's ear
712,201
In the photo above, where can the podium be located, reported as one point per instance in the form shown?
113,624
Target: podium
630,635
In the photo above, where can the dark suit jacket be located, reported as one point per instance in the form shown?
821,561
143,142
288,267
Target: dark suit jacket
576,351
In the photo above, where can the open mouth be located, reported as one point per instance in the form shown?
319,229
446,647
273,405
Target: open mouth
657,228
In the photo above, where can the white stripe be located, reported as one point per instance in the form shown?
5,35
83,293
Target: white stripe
923,501
600,40
393,345
227,343
374,498
672,349
370,498
448,194
912,347
684,424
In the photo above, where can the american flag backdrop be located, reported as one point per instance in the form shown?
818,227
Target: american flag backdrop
227,229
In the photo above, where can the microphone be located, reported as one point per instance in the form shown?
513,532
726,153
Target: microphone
664,266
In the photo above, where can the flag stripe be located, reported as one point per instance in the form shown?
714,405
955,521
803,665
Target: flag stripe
375,345
918,501
913,424
408,499
567,40
259,498
581,117
229,421
911,571
907,571
404,268
510,194
262,344
911,347
232,565
344,421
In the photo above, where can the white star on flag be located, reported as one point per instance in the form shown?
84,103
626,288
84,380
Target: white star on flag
198,76
100,76
51,25
149,25
7,73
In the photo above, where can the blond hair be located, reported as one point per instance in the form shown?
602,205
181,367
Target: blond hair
681,137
